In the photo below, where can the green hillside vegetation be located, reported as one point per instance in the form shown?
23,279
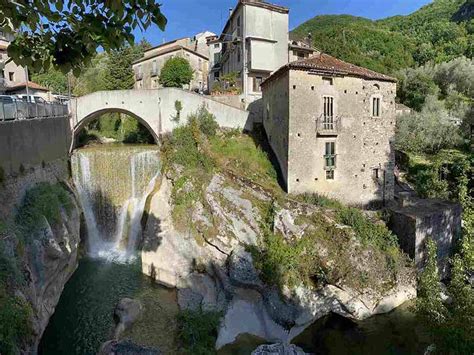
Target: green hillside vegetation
433,33
359,41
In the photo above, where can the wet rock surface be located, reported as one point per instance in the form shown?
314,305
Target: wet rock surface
126,313
125,347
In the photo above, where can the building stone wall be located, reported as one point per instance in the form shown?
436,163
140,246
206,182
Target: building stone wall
364,143
276,119
148,78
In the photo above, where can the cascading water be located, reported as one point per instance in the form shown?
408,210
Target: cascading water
113,183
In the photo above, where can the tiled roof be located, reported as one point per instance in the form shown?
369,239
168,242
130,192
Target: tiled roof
31,85
325,64
169,50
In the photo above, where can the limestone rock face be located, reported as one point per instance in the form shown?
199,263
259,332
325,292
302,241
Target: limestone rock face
278,349
214,271
51,259
126,313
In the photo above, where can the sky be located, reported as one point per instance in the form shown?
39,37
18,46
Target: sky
188,17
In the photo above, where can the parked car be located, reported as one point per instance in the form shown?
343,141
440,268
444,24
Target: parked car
33,99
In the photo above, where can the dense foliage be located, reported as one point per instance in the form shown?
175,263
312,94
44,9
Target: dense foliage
197,331
436,32
176,72
443,97
451,324
67,34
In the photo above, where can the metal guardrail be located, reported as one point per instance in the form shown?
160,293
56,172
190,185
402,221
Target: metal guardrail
19,110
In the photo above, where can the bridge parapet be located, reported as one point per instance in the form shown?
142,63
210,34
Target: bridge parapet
154,108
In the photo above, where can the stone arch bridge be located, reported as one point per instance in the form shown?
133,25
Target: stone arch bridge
155,109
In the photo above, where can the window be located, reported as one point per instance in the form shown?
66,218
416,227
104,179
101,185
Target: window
257,81
376,106
330,160
154,68
327,81
328,112
376,173
300,55
238,55
239,33
11,76
216,45
216,75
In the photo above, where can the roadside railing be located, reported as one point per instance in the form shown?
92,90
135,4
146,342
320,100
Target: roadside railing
18,110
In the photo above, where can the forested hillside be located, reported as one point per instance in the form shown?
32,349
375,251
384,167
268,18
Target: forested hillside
437,32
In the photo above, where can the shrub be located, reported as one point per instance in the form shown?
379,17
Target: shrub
176,72
368,232
415,85
197,331
15,322
44,200
428,131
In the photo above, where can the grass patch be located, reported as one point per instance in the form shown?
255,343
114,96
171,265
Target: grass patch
42,201
197,331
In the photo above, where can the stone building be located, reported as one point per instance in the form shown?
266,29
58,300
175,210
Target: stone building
254,43
331,126
147,69
11,74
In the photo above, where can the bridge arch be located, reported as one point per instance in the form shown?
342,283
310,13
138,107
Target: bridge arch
96,115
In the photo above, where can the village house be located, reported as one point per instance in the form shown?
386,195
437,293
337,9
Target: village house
253,44
147,69
11,74
331,126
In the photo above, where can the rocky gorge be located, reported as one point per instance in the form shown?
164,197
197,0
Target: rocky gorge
220,235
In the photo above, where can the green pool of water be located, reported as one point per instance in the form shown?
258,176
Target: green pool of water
83,319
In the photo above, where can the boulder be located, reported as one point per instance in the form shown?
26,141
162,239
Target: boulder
126,313
278,349
242,272
126,347
199,291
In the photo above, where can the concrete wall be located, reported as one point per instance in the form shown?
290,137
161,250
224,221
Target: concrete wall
362,145
28,143
154,108
422,219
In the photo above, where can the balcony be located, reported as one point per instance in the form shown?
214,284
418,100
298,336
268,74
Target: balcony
154,72
328,125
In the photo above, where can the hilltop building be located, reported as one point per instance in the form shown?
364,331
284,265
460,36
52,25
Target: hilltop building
147,69
331,125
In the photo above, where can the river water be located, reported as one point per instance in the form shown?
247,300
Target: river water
113,183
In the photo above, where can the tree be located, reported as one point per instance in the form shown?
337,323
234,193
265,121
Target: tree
119,72
176,72
70,32
414,86
53,79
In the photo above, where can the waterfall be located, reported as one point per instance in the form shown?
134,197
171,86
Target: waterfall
113,183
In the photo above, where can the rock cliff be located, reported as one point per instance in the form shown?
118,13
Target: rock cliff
44,252
210,259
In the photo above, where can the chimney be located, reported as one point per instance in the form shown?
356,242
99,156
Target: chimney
230,11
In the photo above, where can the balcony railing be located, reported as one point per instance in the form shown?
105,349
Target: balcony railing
328,125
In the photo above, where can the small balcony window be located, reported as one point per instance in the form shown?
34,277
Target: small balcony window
328,113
